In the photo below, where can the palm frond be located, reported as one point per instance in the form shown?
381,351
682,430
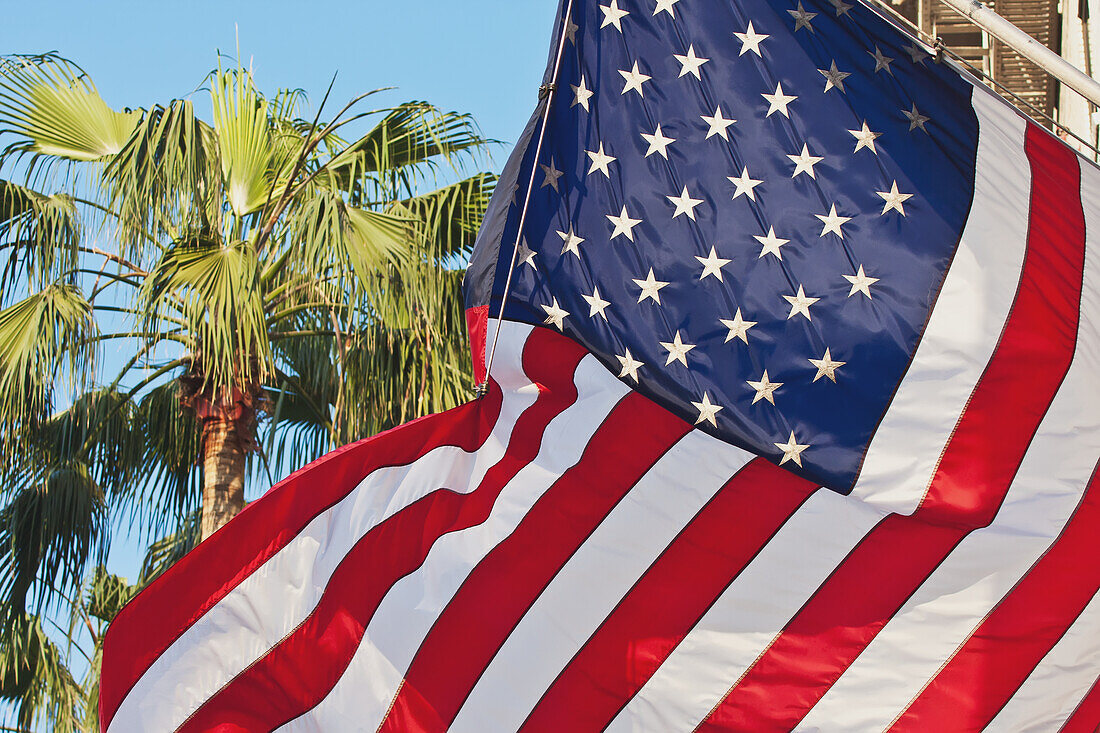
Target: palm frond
385,162
160,499
41,231
96,430
49,531
449,217
35,680
165,552
355,244
217,290
162,182
105,594
55,109
244,139
42,338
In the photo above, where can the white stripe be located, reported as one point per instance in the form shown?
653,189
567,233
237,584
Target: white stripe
360,699
1059,682
748,615
960,338
942,614
274,600
966,323
596,578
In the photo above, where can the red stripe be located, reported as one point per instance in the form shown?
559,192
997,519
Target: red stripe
297,674
668,600
988,669
496,595
974,474
477,325
1086,718
153,620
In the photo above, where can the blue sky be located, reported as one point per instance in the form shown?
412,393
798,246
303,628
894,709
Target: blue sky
484,57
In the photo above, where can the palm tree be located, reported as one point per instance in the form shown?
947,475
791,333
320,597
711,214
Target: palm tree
209,301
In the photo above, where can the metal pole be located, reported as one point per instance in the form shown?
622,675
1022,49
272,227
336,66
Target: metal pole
1029,48
550,89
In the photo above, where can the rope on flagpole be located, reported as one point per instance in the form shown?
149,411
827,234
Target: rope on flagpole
547,92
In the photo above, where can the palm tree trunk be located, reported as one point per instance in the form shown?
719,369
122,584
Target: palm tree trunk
223,463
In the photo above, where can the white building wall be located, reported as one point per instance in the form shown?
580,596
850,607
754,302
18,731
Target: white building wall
1073,110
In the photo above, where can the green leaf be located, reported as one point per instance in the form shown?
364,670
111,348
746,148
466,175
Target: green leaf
448,218
106,594
331,235
244,139
165,552
385,163
217,290
42,338
43,233
164,180
55,106
48,533
35,680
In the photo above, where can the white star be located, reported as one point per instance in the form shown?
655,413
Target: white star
555,314
572,241
826,367
778,102
792,450
690,63
739,327
634,80
515,190
677,350
800,303
658,143
550,175
596,304
750,40
865,138
832,222
842,7
581,94
718,124
861,283
804,162
612,15
894,199
765,388
802,18
745,185
685,204
650,288
712,265
600,161
630,366
666,6
624,225
834,77
916,53
571,31
771,243
916,119
707,411
525,255
882,61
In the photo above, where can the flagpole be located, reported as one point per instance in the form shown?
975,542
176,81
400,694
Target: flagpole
1004,31
550,90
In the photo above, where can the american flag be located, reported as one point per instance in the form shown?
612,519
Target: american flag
792,424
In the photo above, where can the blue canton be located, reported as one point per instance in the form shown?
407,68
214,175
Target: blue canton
746,210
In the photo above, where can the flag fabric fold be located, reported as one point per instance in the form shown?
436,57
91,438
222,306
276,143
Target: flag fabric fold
791,425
